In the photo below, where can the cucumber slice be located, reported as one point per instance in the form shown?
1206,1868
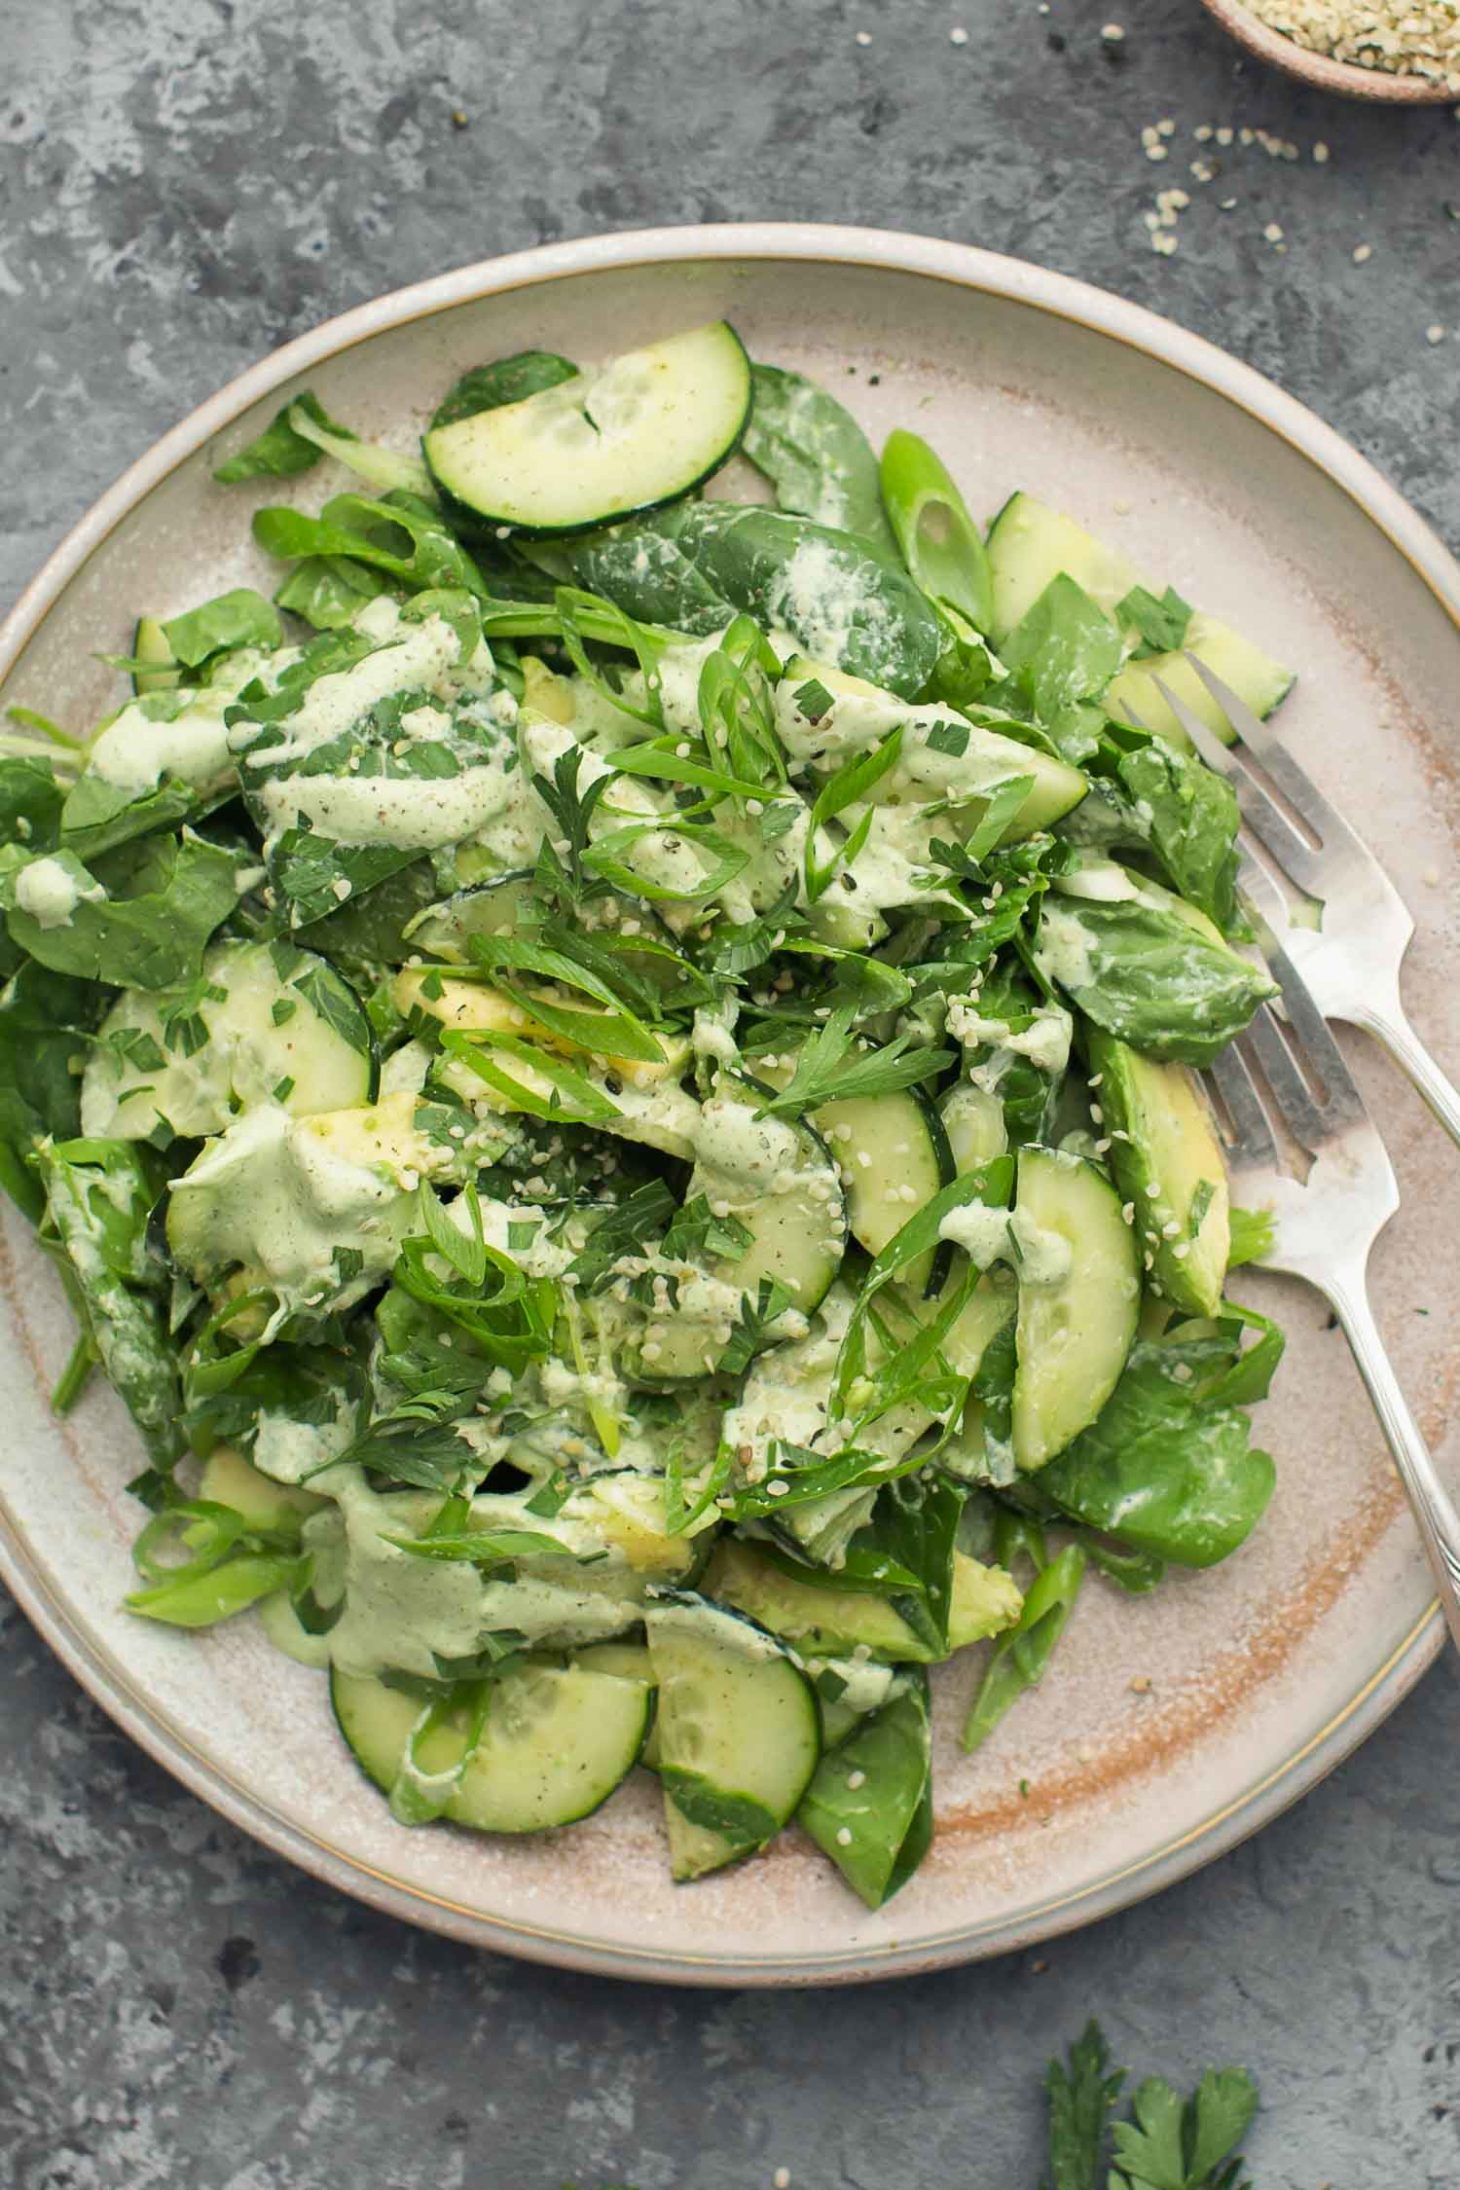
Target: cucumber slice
280,1025
1079,1298
644,429
630,1661
444,931
151,645
893,1156
739,1734
990,1306
556,1742
1254,676
1168,1162
777,1180
1030,543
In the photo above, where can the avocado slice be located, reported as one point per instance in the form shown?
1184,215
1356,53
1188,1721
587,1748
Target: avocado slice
824,1620
1167,1160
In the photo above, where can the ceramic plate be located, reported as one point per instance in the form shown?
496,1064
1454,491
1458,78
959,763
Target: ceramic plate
1173,1725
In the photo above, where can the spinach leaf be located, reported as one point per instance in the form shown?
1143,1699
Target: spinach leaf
506,380
146,922
936,536
99,1196
1061,656
1161,621
1171,804
280,450
914,1527
696,565
367,932
30,802
1192,823
98,816
328,591
400,534
45,1028
240,618
1145,973
816,456
1168,1466
869,1805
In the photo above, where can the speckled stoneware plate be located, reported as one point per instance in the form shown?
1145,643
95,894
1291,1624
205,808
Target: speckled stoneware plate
1173,1725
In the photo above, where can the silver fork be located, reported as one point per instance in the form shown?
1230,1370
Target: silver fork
1351,962
1327,1224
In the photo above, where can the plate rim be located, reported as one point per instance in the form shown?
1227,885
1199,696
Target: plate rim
965,266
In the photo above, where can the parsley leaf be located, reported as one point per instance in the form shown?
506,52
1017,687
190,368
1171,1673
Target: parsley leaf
1082,2092
1169,2146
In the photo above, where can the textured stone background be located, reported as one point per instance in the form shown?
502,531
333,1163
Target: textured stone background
185,183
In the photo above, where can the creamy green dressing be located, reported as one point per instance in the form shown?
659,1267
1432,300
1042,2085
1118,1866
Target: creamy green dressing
279,1197
51,888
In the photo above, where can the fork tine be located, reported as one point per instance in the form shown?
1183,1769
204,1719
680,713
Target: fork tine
1300,1113
1238,1091
1312,1119
1302,1014
1264,899
1301,792
1264,818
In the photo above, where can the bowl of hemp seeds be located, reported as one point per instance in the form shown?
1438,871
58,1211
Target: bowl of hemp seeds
1403,51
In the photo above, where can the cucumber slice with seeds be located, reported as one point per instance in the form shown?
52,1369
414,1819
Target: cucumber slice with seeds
893,1156
630,1661
739,1734
1079,1299
555,1743
646,428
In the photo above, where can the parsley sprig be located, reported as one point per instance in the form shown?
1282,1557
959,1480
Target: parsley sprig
1164,2144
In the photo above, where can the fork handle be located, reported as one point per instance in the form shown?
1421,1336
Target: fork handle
1388,1022
1439,1523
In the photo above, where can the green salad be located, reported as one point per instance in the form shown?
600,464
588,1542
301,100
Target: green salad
608,1076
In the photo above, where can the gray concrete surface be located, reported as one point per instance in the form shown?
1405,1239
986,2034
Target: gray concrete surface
183,184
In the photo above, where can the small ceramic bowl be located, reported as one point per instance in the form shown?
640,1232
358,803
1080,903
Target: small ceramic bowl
1319,69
